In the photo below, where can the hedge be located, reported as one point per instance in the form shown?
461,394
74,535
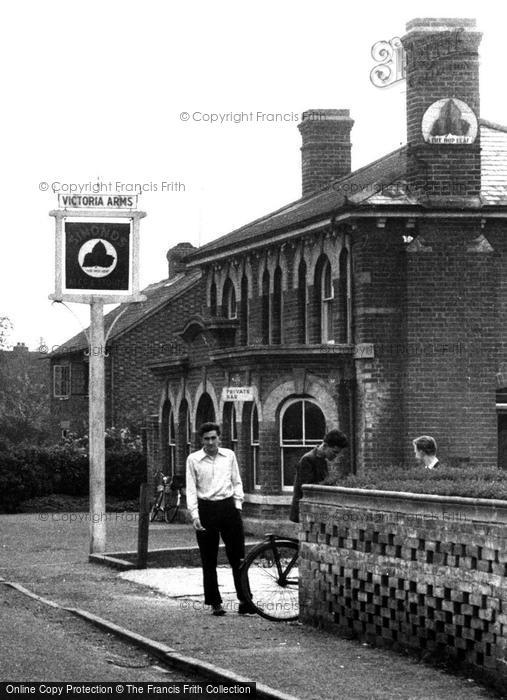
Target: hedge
472,482
32,472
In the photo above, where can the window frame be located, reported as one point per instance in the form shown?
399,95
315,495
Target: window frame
266,308
213,298
277,308
254,448
326,303
304,442
61,367
231,303
171,445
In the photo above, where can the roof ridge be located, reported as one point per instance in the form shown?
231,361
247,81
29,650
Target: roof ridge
492,125
190,277
361,169
329,187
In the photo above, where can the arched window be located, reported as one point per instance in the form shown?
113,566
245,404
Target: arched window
343,330
327,296
188,433
276,308
254,446
185,428
302,426
213,299
171,444
229,300
168,439
265,308
302,303
230,431
243,312
205,411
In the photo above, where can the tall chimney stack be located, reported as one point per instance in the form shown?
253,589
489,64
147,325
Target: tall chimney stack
325,153
442,71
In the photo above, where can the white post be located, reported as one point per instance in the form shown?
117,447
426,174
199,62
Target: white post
97,430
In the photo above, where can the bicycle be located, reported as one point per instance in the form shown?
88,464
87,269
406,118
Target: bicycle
270,579
168,499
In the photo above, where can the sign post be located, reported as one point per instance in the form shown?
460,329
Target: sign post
96,431
96,263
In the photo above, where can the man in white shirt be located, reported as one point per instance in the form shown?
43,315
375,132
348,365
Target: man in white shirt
214,500
425,450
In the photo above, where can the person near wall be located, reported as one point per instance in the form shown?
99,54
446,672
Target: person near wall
214,500
425,450
313,466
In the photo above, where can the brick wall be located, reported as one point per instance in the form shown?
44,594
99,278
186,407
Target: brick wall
452,333
378,302
426,574
136,390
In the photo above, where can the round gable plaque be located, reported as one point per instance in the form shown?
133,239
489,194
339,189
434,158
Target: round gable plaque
449,121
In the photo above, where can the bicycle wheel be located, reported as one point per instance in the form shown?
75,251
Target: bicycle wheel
172,504
270,580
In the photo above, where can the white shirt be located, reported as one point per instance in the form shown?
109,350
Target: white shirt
213,479
431,464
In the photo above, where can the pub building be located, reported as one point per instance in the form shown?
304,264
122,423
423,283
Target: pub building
375,303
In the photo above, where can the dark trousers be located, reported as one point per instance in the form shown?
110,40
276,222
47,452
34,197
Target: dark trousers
220,518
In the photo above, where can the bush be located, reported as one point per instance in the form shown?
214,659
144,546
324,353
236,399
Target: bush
12,487
470,482
34,472
125,472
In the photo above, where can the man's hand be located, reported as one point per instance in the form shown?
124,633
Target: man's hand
197,525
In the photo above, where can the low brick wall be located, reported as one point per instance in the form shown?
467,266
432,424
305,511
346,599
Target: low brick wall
409,571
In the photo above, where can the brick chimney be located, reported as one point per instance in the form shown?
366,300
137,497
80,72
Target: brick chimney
442,72
175,256
325,153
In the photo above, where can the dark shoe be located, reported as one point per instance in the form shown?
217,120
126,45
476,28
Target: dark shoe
246,609
218,610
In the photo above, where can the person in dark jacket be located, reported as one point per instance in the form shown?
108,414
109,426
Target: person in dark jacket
313,468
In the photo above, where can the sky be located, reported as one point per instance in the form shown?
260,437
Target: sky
123,92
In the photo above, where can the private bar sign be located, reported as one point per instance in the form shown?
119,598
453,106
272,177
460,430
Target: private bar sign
237,393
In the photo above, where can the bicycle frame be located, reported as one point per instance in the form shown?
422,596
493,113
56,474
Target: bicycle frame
283,575
163,504
269,577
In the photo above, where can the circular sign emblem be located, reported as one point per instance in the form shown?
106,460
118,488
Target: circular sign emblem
97,257
449,121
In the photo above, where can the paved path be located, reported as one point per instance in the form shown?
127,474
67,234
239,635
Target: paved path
50,558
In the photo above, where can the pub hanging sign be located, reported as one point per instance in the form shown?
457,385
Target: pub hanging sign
97,255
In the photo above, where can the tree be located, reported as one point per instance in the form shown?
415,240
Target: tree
24,393
6,326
